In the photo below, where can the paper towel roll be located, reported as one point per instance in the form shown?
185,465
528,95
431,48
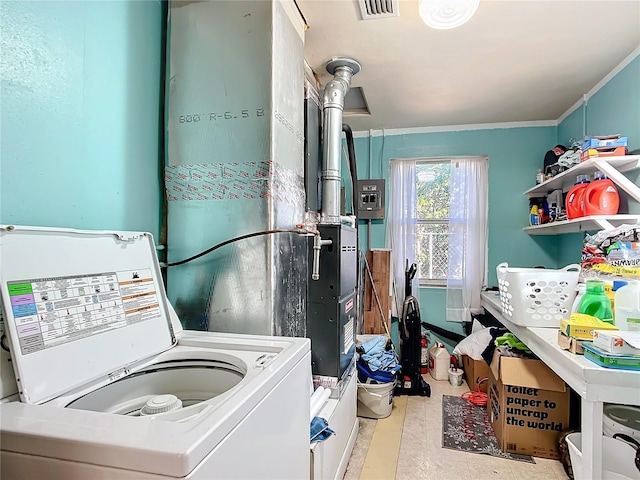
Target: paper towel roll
318,399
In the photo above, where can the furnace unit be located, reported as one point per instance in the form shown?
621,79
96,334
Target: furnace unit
332,302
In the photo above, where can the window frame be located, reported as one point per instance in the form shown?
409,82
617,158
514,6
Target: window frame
423,281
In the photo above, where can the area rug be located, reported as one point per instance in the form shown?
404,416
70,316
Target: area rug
466,427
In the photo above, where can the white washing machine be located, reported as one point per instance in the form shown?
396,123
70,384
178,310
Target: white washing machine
110,386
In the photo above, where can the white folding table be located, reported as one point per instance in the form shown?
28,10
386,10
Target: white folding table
596,385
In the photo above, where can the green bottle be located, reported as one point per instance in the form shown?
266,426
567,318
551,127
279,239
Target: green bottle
595,302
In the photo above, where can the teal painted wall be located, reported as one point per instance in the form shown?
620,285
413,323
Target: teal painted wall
572,127
615,108
80,99
515,154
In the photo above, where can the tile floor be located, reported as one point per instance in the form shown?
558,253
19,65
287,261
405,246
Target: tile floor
422,456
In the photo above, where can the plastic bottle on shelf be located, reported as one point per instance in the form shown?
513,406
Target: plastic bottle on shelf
601,196
581,288
610,289
539,176
575,197
553,212
628,307
595,302
534,216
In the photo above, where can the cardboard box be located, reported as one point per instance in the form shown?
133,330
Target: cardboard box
570,343
605,141
615,342
474,371
602,152
529,406
581,326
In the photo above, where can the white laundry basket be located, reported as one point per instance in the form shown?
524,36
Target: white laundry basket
617,458
537,297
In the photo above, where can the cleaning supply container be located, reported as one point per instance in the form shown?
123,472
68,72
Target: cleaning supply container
575,197
610,289
623,419
581,289
534,216
537,297
601,196
617,459
439,359
455,376
627,304
595,302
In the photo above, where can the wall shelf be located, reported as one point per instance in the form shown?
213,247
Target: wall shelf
583,224
612,167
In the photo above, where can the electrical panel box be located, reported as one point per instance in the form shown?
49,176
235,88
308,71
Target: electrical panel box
371,198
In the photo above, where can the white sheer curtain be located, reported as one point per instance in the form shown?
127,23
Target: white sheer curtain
401,226
468,209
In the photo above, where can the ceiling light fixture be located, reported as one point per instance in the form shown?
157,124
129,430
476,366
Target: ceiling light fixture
445,14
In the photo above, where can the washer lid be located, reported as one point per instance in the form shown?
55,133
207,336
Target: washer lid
80,306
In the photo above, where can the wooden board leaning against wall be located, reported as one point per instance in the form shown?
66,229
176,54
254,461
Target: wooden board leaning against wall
379,261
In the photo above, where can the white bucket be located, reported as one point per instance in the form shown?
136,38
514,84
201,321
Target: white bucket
617,458
455,377
375,400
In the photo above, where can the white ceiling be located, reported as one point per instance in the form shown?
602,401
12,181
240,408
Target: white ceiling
514,61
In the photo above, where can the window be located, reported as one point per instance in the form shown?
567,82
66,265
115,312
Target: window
438,220
432,229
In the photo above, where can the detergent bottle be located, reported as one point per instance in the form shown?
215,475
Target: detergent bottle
601,196
575,197
595,302
534,216
628,307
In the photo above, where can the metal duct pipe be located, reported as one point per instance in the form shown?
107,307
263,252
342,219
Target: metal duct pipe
342,70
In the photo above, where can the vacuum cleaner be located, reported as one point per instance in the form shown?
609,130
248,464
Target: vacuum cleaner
410,381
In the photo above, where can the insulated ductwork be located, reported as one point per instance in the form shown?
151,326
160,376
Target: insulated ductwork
342,70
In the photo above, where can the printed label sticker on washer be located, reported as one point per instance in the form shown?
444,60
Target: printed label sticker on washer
57,310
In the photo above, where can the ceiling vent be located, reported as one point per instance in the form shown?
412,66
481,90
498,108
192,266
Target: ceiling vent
372,9
355,103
